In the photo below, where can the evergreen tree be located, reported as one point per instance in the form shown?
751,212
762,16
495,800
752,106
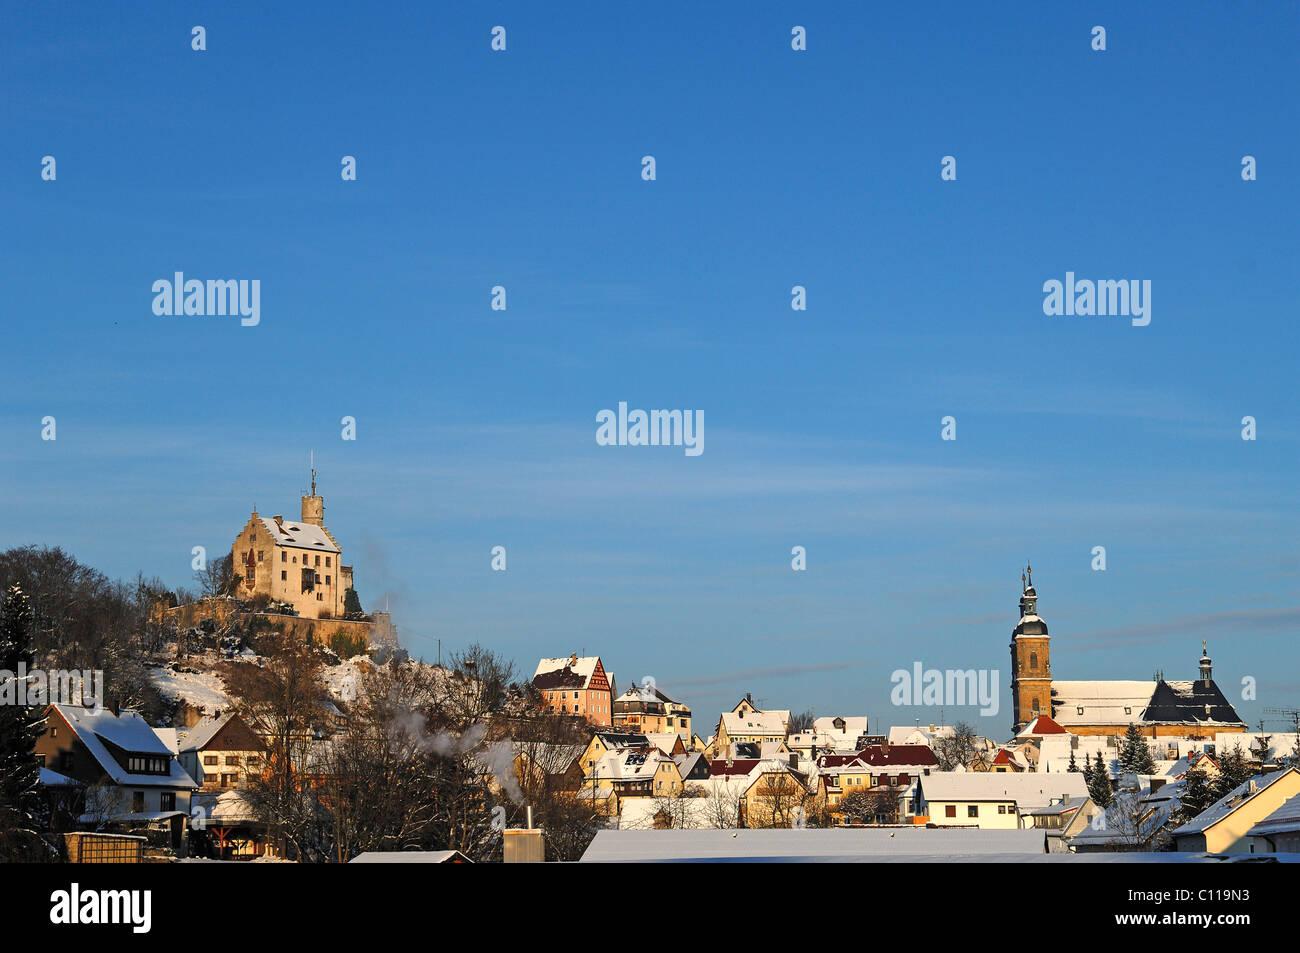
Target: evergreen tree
1074,765
1235,768
1135,755
1196,794
351,602
20,725
1099,784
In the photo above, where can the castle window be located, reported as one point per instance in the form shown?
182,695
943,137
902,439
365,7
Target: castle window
327,562
284,575
327,579
284,557
259,555
317,560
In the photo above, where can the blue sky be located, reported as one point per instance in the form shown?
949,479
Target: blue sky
476,428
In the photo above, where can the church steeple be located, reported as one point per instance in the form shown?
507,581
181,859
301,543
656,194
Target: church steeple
1031,668
1207,665
1028,595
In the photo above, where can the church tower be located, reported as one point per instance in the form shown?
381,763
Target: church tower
1031,670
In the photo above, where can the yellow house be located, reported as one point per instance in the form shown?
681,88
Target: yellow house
778,796
1222,827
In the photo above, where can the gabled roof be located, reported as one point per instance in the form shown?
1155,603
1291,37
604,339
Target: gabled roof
566,672
129,732
301,535
1233,801
1041,725
202,733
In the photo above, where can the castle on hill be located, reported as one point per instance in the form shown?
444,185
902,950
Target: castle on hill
298,562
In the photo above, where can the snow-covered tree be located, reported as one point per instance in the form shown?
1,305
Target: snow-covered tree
20,726
1135,755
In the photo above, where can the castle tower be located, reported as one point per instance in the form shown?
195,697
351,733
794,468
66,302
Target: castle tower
313,507
1031,670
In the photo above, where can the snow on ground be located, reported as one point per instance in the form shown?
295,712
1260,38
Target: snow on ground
202,690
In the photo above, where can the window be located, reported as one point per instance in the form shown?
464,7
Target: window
317,560
232,759
209,779
137,802
327,579
1079,710
972,810
284,575
1002,809
259,555
167,801
40,759
54,731
209,759
327,562
950,810
227,780
1033,660
284,557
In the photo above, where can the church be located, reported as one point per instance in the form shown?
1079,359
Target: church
1162,709
294,561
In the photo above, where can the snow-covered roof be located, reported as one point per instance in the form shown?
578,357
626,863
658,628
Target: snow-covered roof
301,535
410,857
918,735
1103,703
203,732
131,733
1028,790
564,671
1234,801
1285,820
665,740
52,779
226,808
811,844
629,765
170,737
755,723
